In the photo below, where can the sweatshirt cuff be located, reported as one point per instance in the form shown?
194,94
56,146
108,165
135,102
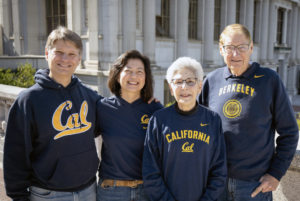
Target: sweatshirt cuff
275,173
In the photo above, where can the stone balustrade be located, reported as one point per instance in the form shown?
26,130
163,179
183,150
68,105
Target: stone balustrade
287,190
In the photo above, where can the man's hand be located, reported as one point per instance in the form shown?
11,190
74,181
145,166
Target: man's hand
268,183
156,100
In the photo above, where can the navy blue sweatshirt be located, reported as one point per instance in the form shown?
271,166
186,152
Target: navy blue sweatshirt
44,146
184,156
123,128
252,106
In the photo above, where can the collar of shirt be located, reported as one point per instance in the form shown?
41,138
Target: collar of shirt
249,74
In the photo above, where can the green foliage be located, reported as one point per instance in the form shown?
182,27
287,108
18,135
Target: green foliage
169,104
22,77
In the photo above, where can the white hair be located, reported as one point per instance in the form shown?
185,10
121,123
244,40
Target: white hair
185,62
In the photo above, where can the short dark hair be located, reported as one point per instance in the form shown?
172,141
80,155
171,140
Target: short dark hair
120,63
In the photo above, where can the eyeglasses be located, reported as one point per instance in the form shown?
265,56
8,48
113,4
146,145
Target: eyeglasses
188,81
229,49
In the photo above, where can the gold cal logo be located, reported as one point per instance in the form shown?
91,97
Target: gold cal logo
73,125
232,108
144,120
186,148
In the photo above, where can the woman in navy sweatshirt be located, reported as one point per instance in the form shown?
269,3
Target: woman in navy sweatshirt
122,122
184,156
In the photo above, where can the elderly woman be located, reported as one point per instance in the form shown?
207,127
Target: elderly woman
122,121
184,155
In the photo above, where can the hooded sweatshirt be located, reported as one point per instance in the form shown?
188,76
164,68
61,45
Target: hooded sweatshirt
50,138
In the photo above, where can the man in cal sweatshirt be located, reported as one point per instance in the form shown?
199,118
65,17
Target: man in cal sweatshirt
252,103
49,150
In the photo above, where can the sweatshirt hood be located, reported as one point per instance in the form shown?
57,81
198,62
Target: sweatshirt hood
42,77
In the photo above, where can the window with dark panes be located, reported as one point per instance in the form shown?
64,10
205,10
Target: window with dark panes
217,23
162,17
279,25
238,11
56,14
193,14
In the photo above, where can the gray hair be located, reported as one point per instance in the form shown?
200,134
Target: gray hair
185,62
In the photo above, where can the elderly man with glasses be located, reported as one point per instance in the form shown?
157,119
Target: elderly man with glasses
252,103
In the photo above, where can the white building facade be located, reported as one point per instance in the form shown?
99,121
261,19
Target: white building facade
161,29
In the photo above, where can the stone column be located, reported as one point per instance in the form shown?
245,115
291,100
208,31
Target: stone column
76,17
149,30
292,77
264,31
182,27
249,16
298,38
129,24
209,33
231,11
1,41
109,17
17,26
5,21
282,71
271,37
295,35
284,28
93,62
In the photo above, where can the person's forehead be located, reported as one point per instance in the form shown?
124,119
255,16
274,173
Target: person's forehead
61,44
235,39
184,73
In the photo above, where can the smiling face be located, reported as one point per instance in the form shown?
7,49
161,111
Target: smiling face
132,78
237,62
185,95
63,59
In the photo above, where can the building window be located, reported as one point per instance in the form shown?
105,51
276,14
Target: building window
254,21
56,14
162,18
279,25
238,11
217,23
193,15
168,98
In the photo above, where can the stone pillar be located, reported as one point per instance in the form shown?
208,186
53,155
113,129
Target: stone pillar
298,38
93,62
295,10
17,26
110,18
70,5
231,11
31,27
209,33
283,71
129,24
292,77
149,30
249,16
5,21
271,37
264,31
284,28
1,41
76,16
182,27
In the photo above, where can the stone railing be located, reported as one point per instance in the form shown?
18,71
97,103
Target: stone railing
288,189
